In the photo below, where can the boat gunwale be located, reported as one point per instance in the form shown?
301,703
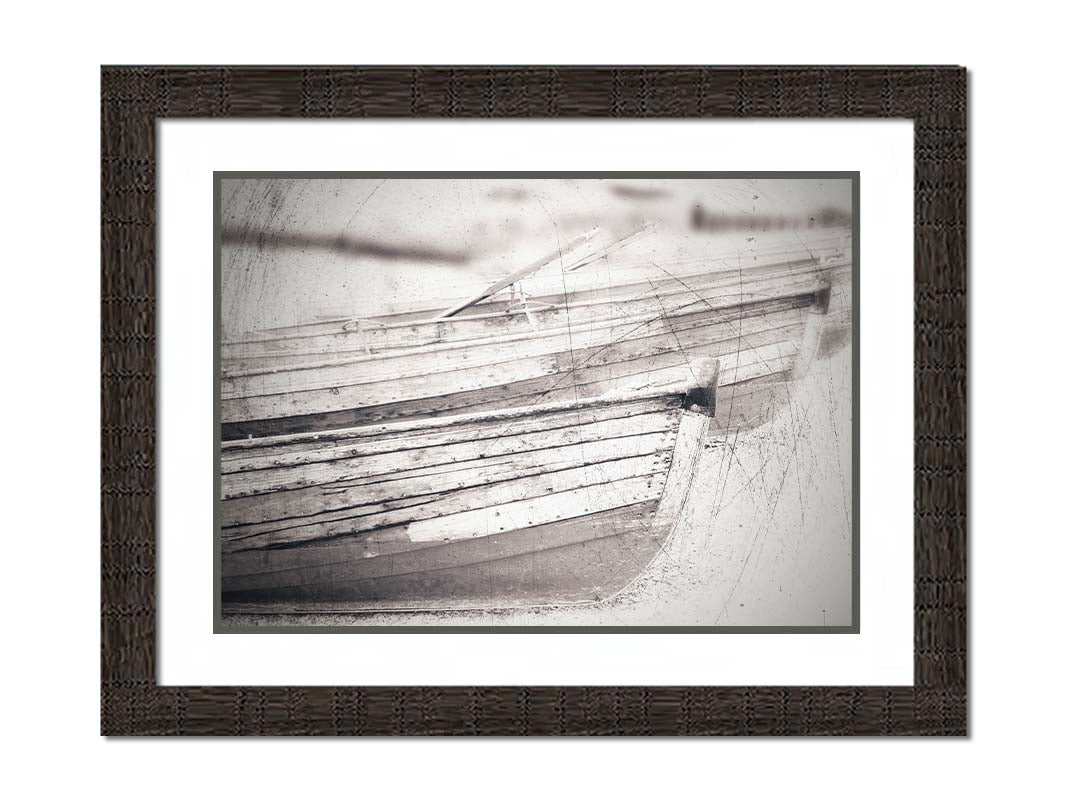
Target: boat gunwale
429,423
559,385
735,300
774,270
733,332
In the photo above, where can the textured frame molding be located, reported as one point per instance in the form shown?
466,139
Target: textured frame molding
132,99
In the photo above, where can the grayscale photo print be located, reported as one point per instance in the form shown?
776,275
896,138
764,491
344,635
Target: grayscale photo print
539,401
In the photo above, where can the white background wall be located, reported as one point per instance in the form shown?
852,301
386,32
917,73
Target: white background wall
50,326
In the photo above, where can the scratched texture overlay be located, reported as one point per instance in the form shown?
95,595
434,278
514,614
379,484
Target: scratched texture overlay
132,99
537,400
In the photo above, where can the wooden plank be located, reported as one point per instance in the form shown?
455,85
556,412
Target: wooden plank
342,346
527,513
616,272
332,552
689,444
808,345
406,510
353,467
348,443
604,369
611,301
691,309
646,280
347,561
551,285
601,406
610,286
662,339
313,500
649,301
630,376
311,495
502,365
351,422
515,568
644,283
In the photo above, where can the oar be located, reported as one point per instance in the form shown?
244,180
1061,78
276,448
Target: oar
518,275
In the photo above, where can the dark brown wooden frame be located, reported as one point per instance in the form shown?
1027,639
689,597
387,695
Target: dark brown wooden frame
132,99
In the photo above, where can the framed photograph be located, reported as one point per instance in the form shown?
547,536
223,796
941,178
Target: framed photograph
573,381
537,400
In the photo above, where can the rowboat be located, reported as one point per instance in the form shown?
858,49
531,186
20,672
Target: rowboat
501,450
561,502
602,335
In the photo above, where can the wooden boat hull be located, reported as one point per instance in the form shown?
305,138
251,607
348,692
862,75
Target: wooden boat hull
755,330
526,506
586,559
579,306
562,284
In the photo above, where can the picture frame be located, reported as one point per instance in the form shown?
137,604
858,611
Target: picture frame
134,98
